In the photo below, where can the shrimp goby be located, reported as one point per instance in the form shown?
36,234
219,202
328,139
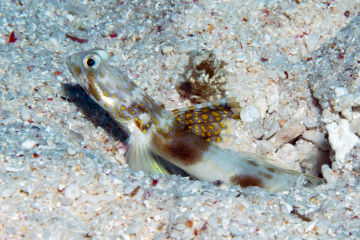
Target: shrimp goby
186,138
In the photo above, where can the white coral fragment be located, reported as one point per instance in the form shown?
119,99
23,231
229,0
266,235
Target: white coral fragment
346,101
341,139
317,138
328,174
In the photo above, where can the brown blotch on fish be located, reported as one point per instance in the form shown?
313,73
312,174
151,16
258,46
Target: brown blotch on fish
252,163
246,181
270,169
186,148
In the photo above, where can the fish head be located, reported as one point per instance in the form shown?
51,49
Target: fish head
90,69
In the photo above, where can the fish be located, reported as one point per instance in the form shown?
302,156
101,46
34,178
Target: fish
185,140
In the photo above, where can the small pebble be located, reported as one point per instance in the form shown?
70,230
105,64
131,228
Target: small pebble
71,151
179,226
213,220
185,47
235,231
72,191
135,227
28,144
340,91
250,114
167,49
25,114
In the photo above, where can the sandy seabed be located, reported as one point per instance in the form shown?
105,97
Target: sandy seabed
292,65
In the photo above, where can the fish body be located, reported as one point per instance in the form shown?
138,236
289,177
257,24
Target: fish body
186,138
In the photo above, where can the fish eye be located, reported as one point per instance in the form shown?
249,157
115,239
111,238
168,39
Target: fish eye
92,61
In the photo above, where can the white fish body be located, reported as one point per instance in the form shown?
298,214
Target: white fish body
185,137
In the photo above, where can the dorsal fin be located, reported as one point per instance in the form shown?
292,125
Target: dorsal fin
206,120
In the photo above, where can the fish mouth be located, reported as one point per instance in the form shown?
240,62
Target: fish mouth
70,65
73,65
